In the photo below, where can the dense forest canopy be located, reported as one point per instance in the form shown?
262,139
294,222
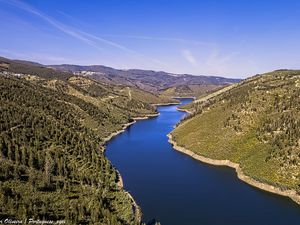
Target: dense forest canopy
52,132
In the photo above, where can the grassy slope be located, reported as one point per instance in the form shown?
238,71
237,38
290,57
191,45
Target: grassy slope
192,106
255,124
190,90
51,164
150,97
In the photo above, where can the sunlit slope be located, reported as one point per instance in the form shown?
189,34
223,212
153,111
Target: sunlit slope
191,90
255,123
52,164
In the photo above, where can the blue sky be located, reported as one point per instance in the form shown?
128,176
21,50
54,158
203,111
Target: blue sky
232,38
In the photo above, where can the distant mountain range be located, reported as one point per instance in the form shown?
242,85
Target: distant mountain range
147,79
169,84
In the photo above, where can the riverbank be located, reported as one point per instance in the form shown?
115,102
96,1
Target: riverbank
136,208
109,137
166,104
184,110
184,97
266,187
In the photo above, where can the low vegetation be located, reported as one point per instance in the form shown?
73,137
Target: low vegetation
191,90
255,124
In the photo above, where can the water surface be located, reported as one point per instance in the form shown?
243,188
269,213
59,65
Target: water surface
178,190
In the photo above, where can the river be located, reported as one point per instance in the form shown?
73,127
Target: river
178,190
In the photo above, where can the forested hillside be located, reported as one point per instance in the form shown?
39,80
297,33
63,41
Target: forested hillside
26,67
52,133
255,124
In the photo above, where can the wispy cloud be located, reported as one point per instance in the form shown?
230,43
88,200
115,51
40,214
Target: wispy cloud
85,37
53,22
121,47
169,39
187,54
218,61
216,58
143,37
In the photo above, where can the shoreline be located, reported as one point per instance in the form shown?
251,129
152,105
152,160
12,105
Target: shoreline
184,110
292,194
173,103
125,126
120,184
193,97
136,208
166,104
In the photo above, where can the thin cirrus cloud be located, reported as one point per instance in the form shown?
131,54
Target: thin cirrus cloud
220,62
187,54
210,45
169,39
144,37
216,58
85,37
121,47
216,62
54,23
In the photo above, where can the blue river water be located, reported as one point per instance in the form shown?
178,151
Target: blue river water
175,189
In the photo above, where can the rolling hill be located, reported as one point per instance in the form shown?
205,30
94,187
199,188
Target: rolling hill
158,83
53,128
252,126
169,84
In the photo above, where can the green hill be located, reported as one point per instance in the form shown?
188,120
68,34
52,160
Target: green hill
255,123
191,90
26,67
52,134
